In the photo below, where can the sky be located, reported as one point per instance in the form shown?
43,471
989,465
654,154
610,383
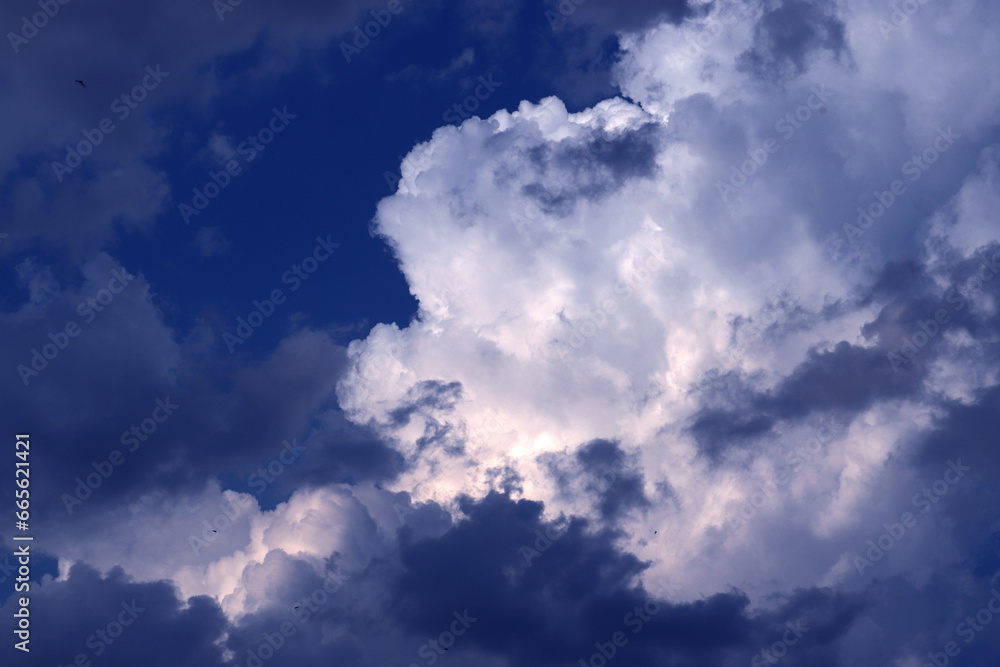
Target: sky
500,334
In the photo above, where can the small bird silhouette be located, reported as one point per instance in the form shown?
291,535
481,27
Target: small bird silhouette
80,82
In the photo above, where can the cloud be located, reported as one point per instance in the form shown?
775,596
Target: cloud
210,241
77,343
787,35
653,314
583,299
549,601
602,471
115,185
114,618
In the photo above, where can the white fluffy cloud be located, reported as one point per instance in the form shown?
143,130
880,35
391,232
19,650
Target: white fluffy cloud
576,292
171,537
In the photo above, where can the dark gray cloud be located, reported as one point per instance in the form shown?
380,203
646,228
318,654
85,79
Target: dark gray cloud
534,593
600,166
843,381
616,479
788,35
544,601
601,472
340,451
426,399
846,379
113,620
719,430
426,396
229,420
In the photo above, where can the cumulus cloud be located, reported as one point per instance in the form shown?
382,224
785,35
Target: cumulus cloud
602,297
